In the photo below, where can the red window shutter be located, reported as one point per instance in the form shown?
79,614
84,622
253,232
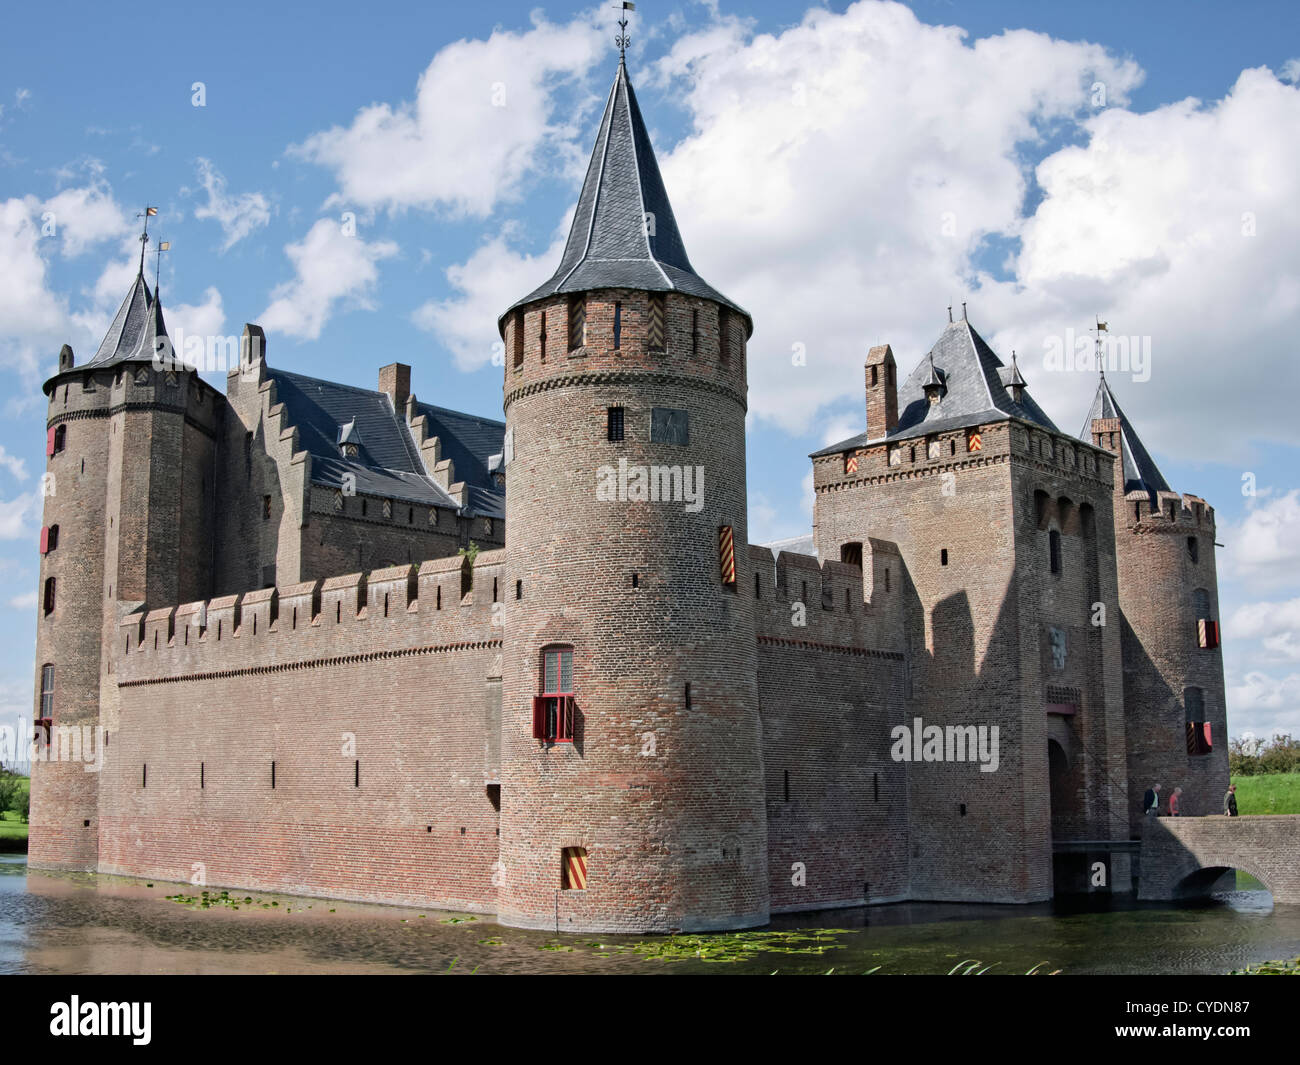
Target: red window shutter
539,717
1213,634
564,719
49,442
1208,745
45,540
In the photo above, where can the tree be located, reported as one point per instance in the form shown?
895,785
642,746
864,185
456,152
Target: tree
24,805
9,790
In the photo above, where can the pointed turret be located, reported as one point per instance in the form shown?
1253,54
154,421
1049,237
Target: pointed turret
1108,427
624,234
125,334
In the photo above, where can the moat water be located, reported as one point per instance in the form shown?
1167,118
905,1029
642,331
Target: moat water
83,923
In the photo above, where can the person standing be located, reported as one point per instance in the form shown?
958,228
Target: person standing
1230,801
1151,800
1174,802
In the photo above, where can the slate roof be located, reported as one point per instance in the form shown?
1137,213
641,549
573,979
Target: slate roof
1140,472
973,392
388,462
610,244
137,322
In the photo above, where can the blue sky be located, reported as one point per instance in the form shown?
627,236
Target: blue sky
844,172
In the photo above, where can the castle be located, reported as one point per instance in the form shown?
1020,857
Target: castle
341,642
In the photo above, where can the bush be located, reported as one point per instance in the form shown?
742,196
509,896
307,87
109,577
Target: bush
9,790
24,804
1246,758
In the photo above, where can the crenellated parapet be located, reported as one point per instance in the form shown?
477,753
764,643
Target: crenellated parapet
835,605
441,605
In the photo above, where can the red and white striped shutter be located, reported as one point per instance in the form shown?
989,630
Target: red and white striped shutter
727,554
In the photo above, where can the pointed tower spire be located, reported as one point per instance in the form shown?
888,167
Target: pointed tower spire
933,384
624,233
1107,426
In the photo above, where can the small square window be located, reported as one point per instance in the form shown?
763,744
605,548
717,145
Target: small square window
614,423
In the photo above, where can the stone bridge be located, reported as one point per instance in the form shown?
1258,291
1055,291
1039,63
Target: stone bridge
1185,856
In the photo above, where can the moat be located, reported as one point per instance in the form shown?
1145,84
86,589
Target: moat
81,923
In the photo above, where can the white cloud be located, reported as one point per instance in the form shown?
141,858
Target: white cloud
206,319
1263,548
485,285
1290,71
35,320
15,465
1265,703
237,215
1275,626
483,118
23,601
331,268
82,217
17,516
841,177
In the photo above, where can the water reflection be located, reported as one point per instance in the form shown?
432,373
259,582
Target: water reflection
81,923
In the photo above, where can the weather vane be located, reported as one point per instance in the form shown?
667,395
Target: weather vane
146,214
623,40
1101,328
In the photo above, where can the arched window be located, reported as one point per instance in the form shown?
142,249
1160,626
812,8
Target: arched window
553,708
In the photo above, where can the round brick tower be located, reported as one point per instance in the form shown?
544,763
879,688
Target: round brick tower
1174,699
127,509
632,778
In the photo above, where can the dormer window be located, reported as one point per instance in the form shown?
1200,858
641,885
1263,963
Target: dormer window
349,441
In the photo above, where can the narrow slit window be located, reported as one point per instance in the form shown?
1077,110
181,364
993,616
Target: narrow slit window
618,324
577,322
1054,550
517,338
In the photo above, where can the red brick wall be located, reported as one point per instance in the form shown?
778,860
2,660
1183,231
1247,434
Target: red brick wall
412,696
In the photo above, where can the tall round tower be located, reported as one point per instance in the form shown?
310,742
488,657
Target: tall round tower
632,777
129,490
1174,699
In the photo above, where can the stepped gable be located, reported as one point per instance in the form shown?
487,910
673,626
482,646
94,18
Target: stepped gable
972,392
388,460
624,234
1140,472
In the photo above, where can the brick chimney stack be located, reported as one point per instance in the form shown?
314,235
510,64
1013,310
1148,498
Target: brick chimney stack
395,381
882,392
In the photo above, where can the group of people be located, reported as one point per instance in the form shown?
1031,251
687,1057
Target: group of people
1151,801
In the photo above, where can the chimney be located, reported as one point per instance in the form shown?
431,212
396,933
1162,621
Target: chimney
882,392
395,382
252,346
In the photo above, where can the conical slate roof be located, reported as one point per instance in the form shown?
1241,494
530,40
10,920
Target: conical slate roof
624,234
973,393
138,322
1140,472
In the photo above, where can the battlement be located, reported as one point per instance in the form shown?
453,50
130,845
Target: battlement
1171,513
442,604
836,604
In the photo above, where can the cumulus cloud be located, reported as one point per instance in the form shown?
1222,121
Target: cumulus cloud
483,118
81,217
846,179
331,268
484,286
23,601
18,516
1263,548
238,215
34,318
15,465
1265,704
1274,625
